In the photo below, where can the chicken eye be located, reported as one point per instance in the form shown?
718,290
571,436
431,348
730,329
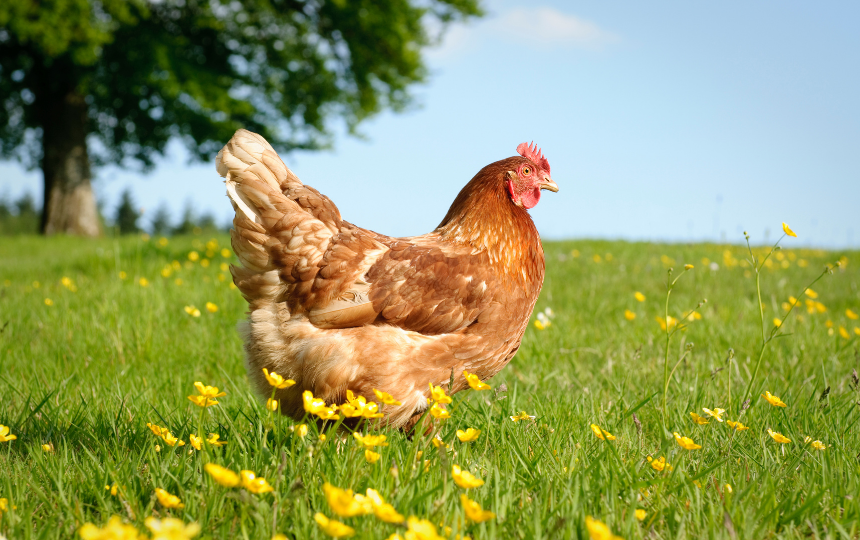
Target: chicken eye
527,170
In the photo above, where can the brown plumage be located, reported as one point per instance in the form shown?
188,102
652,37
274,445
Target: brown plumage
336,307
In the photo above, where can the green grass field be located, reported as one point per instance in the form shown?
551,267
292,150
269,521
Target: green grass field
85,374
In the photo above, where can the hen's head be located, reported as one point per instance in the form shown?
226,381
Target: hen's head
531,175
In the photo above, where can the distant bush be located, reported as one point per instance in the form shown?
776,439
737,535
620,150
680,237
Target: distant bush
20,216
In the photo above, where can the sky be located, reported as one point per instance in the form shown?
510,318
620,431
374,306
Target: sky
671,121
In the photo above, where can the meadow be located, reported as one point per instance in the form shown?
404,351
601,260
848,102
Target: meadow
102,343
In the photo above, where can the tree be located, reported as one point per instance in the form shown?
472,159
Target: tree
161,220
90,82
126,214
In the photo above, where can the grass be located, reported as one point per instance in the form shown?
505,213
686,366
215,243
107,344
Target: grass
88,373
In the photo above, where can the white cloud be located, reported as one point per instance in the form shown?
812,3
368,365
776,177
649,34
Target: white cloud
539,27
549,27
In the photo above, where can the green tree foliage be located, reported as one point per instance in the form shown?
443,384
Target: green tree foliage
126,76
126,214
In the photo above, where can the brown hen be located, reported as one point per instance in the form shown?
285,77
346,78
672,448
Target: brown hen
336,307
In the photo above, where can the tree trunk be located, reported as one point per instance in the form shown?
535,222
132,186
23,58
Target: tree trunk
70,205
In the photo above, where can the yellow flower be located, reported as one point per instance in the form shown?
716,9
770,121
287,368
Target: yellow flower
211,308
818,445
277,381
659,464
370,441
437,394
420,529
474,511
318,407
171,529
381,509
541,325
465,479
716,414
639,296
122,275
601,433
773,400
629,315
812,294
48,447
202,401
698,419
158,448
522,416
438,411
114,529
844,333
167,500
688,267
157,430
438,442
225,253
222,475
254,484
207,395
4,504
213,440
386,398
641,514
673,322
49,302
193,311
737,426
344,503
322,437
685,442
778,437
193,256
67,282
475,382
143,282
857,330
469,435
788,230
272,404
171,440
333,528
728,488
358,406
196,441
114,489
301,430
777,322
851,315
162,241
371,456
597,530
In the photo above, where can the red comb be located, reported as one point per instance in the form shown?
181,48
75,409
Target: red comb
532,152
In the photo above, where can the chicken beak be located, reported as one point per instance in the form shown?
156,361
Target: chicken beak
549,184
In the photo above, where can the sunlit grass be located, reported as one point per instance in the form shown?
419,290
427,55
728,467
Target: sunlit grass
102,338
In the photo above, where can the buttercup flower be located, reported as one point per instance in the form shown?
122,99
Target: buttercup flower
437,394
469,435
196,441
778,437
171,440
438,442
113,489
358,406
211,308
318,407
276,380
698,419
254,484
716,414
371,456
474,511
439,412
222,475
639,296
597,530
773,400
601,433
659,464
167,500
522,416
344,503
214,440
193,311
171,529
370,441
465,479
629,315
475,382
788,230
851,315
421,529
114,529
272,404
333,528
48,447
812,294
640,514
301,430
685,442
818,445
737,426
381,509
5,436
385,398
688,267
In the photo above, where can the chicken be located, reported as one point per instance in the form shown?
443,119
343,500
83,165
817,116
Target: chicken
336,307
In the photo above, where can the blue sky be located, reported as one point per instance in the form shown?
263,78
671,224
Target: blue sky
672,121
